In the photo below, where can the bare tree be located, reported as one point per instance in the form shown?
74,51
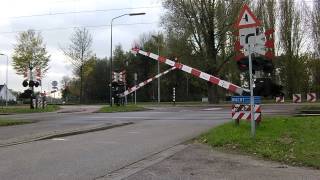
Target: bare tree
206,25
291,36
316,27
79,51
315,63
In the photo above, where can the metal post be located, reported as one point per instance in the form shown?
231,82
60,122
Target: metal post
125,97
111,64
158,72
253,128
135,84
32,88
135,97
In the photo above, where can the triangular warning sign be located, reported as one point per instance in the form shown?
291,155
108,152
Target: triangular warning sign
247,19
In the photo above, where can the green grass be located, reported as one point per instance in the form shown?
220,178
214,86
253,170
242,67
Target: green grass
291,140
127,108
6,122
26,109
310,107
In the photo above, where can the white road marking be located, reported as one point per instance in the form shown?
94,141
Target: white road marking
212,109
133,132
59,139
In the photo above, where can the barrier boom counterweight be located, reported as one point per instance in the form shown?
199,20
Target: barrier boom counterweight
140,85
214,80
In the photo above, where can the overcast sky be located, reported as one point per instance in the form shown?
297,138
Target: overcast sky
56,19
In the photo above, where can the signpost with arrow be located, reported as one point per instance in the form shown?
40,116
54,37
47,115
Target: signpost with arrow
247,24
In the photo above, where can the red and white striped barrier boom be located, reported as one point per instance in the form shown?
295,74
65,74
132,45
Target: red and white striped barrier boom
214,80
140,85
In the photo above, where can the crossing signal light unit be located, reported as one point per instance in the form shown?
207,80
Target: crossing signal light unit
258,64
25,83
265,87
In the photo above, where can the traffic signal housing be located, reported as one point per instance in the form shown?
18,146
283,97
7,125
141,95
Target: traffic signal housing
31,83
265,87
25,83
259,63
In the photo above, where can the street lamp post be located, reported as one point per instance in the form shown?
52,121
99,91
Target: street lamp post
130,14
6,78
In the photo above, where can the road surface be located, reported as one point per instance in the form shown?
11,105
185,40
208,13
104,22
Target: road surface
93,155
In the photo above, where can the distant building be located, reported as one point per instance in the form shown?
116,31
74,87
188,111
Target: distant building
3,91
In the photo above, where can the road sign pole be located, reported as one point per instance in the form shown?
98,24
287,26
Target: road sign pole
253,124
135,75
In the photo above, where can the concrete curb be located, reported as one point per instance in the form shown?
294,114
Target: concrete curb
142,164
57,134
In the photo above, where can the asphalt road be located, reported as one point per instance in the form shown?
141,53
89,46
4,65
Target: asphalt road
92,155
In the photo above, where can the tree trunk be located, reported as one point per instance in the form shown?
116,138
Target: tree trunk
81,84
213,94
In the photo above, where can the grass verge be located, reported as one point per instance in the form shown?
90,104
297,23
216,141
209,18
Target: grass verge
6,122
310,107
291,140
127,108
26,109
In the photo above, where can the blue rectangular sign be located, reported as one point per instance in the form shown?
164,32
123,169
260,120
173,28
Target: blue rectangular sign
245,99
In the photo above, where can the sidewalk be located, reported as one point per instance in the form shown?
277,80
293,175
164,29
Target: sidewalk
200,162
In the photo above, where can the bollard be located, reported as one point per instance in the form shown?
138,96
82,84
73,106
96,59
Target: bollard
174,96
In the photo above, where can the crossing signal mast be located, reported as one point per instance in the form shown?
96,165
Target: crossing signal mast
118,86
255,43
31,82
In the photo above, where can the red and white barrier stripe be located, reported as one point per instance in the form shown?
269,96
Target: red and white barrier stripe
140,85
214,80
280,99
311,97
246,116
240,111
245,107
296,98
